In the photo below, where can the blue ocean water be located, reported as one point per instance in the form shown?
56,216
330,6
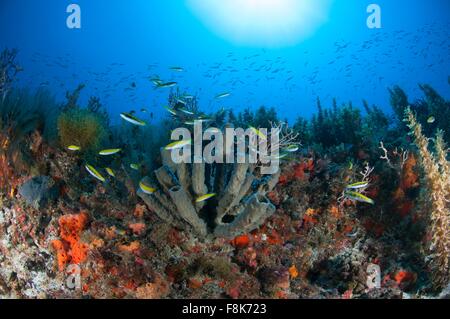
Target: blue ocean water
121,44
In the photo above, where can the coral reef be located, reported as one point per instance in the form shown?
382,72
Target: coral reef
65,234
26,258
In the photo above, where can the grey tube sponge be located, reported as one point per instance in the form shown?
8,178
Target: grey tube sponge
198,179
255,210
178,169
175,203
186,210
245,188
154,205
267,183
273,180
219,178
166,202
198,182
161,205
166,159
166,178
232,190
238,188
183,175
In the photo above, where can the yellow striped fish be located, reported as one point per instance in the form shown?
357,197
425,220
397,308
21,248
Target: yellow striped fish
258,132
358,185
177,145
132,119
110,151
146,189
110,172
204,198
171,111
74,148
94,173
359,197
134,166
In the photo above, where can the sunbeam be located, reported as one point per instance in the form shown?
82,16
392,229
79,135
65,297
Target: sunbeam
267,23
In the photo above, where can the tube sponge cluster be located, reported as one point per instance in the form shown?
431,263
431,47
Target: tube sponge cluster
240,206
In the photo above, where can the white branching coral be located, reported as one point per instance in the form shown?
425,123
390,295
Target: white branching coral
288,136
368,170
286,142
435,197
398,157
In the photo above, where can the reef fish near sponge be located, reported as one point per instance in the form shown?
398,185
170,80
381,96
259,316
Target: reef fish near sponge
132,119
204,198
146,189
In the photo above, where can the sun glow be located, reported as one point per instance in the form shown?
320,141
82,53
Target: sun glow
268,23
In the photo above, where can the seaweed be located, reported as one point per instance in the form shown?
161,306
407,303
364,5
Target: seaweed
435,199
83,128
